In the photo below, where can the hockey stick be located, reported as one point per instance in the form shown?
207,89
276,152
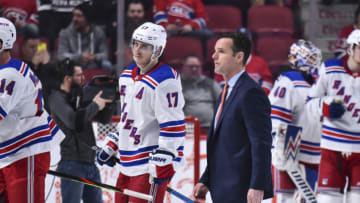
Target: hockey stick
168,189
179,195
101,185
302,185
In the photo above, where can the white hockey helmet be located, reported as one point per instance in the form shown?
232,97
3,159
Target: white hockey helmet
305,56
7,34
353,39
151,33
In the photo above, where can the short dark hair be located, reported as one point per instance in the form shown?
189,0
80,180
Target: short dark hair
87,10
191,55
135,2
241,42
28,35
64,68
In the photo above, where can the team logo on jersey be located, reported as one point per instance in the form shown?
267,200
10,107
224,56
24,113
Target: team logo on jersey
349,105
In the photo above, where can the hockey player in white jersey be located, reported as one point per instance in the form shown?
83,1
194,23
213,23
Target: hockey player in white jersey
152,127
338,87
27,132
288,98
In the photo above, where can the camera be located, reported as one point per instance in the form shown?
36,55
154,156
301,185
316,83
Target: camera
109,86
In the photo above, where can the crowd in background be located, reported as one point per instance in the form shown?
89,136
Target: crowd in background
85,32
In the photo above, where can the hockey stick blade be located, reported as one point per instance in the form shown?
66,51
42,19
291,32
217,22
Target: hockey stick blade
302,186
179,195
101,185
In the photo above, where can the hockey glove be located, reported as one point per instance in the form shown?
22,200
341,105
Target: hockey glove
161,166
332,108
107,154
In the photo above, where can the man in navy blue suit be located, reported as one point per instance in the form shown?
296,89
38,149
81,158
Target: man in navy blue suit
239,141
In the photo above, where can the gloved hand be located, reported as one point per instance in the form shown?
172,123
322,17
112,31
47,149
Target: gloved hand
107,154
161,165
332,108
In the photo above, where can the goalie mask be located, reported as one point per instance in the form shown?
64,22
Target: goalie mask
7,34
305,56
152,34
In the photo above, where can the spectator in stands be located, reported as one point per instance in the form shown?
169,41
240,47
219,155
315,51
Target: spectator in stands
22,13
83,41
182,17
200,92
35,54
135,16
55,15
257,68
77,156
341,46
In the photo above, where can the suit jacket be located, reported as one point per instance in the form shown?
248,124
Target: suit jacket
238,150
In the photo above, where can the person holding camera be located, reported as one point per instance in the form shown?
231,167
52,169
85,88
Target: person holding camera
77,155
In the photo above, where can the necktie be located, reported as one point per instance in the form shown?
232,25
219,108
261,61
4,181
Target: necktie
223,97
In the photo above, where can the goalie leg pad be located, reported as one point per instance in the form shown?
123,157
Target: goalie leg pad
311,175
282,182
329,196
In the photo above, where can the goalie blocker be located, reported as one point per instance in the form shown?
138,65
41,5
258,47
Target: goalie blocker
287,171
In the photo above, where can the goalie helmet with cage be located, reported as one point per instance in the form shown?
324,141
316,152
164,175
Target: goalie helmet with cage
352,40
152,34
7,34
305,56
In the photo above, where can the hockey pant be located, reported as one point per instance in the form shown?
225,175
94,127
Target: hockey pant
139,184
24,180
334,168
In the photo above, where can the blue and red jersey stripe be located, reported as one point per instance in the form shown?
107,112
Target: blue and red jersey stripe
281,114
173,129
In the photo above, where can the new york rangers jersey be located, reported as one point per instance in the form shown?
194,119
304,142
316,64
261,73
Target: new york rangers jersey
151,116
338,81
26,128
288,98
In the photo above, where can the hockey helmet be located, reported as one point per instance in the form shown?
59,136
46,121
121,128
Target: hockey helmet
305,56
354,37
7,34
352,40
151,33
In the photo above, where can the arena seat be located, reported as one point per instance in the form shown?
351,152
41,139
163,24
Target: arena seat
223,18
179,47
274,50
270,20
